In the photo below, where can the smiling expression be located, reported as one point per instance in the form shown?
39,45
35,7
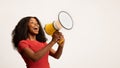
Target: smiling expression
33,26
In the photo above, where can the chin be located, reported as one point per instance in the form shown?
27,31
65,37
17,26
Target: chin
36,33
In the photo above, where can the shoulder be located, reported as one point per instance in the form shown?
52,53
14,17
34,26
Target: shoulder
22,44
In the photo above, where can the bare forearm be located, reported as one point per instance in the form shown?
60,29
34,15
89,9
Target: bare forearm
58,53
43,51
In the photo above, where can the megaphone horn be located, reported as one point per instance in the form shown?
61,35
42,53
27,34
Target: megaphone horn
64,21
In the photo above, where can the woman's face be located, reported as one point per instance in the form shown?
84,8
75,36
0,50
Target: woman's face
33,26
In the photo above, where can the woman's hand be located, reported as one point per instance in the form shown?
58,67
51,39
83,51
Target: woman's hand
61,40
56,36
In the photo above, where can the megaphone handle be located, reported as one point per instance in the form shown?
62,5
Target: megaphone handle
60,41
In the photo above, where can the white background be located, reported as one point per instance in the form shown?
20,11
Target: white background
94,41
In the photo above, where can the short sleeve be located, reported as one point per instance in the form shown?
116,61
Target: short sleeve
22,44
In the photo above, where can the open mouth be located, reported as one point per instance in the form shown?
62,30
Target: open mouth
36,28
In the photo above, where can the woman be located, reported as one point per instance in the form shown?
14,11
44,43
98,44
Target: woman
29,39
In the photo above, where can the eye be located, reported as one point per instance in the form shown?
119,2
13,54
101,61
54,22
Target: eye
31,22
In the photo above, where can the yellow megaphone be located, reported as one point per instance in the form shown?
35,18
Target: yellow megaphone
64,21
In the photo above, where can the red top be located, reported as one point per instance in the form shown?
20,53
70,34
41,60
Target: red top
35,46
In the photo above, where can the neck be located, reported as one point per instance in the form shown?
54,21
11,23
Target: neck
31,37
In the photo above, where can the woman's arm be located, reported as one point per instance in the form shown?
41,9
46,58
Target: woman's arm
34,56
56,54
38,55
